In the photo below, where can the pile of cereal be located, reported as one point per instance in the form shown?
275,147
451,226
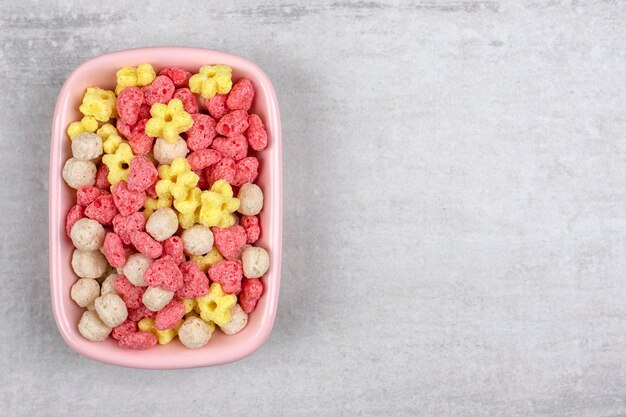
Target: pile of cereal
163,246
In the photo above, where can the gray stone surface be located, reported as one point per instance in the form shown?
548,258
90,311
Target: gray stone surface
455,228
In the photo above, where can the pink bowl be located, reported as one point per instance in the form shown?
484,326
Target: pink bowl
100,71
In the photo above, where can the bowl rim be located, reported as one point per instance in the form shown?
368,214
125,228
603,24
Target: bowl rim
54,213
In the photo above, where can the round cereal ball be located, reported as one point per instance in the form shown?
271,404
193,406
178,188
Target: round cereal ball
251,199
243,248
238,320
89,264
108,285
135,268
194,333
111,309
162,224
79,173
85,291
155,298
255,262
87,234
92,328
86,146
197,240
165,152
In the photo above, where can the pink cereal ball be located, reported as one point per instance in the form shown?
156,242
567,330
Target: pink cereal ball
139,142
256,133
144,243
162,224
233,123
138,340
195,282
235,147
160,91
252,228
144,112
241,95
120,330
124,128
203,184
155,298
179,76
113,250
165,152
89,264
87,235
102,209
238,320
128,103
142,174
229,274
247,170
78,173
226,169
130,294
201,133
92,328
126,200
125,225
203,158
73,215
87,194
229,240
216,106
102,177
136,314
251,290
194,333
164,273
190,103
173,247
169,316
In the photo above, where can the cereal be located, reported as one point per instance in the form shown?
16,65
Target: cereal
252,228
189,208
164,273
128,103
169,316
87,194
110,138
92,328
216,305
176,180
107,285
211,80
113,250
102,209
142,174
203,158
232,123
235,147
98,103
228,274
173,247
118,163
256,133
162,224
195,282
217,106
247,171
139,141
129,77
127,201
194,333
229,240
163,336
190,104
218,205
251,199
168,121
111,309
85,291
138,340
89,264
159,91
255,262
201,134
238,321
136,314
86,146
226,169
130,293
86,124
87,235
241,95
197,240
251,290
102,178
206,261
73,215
144,243
78,173
119,331
179,76
135,268
125,225
165,152
155,298
151,204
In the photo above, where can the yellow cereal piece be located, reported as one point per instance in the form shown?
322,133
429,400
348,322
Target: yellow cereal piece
217,205
168,121
189,304
118,163
98,103
111,140
178,183
163,336
150,205
86,124
204,262
211,80
216,305
134,77
189,208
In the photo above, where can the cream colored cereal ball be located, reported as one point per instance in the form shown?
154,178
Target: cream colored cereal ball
87,234
108,285
155,298
86,146
162,224
92,328
197,240
238,320
255,262
89,264
194,333
251,199
135,268
79,173
111,309
165,152
85,291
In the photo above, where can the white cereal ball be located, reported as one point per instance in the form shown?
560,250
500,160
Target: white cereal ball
92,328
89,264
111,309
238,320
155,298
87,234
85,291
197,240
86,146
255,262
79,173
162,224
165,152
135,268
251,199
108,285
194,333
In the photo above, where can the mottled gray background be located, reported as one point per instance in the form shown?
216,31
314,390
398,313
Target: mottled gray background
455,217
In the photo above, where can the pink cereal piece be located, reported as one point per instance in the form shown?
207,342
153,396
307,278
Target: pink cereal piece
123,128
235,147
124,226
195,282
151,191
169,316
164,273
173,247
144,243
256,133
128,103
142,174
144,112
233,123
203,158
102,177
136,314
127,201
229,240
225,169
73,215
179,76
138,340
217,106
251,290
129,293
190,104
201,134
113,250
252,228
203,184
241,95
102,210
139,142
87,194
247,171
229,274
160,91
128,326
